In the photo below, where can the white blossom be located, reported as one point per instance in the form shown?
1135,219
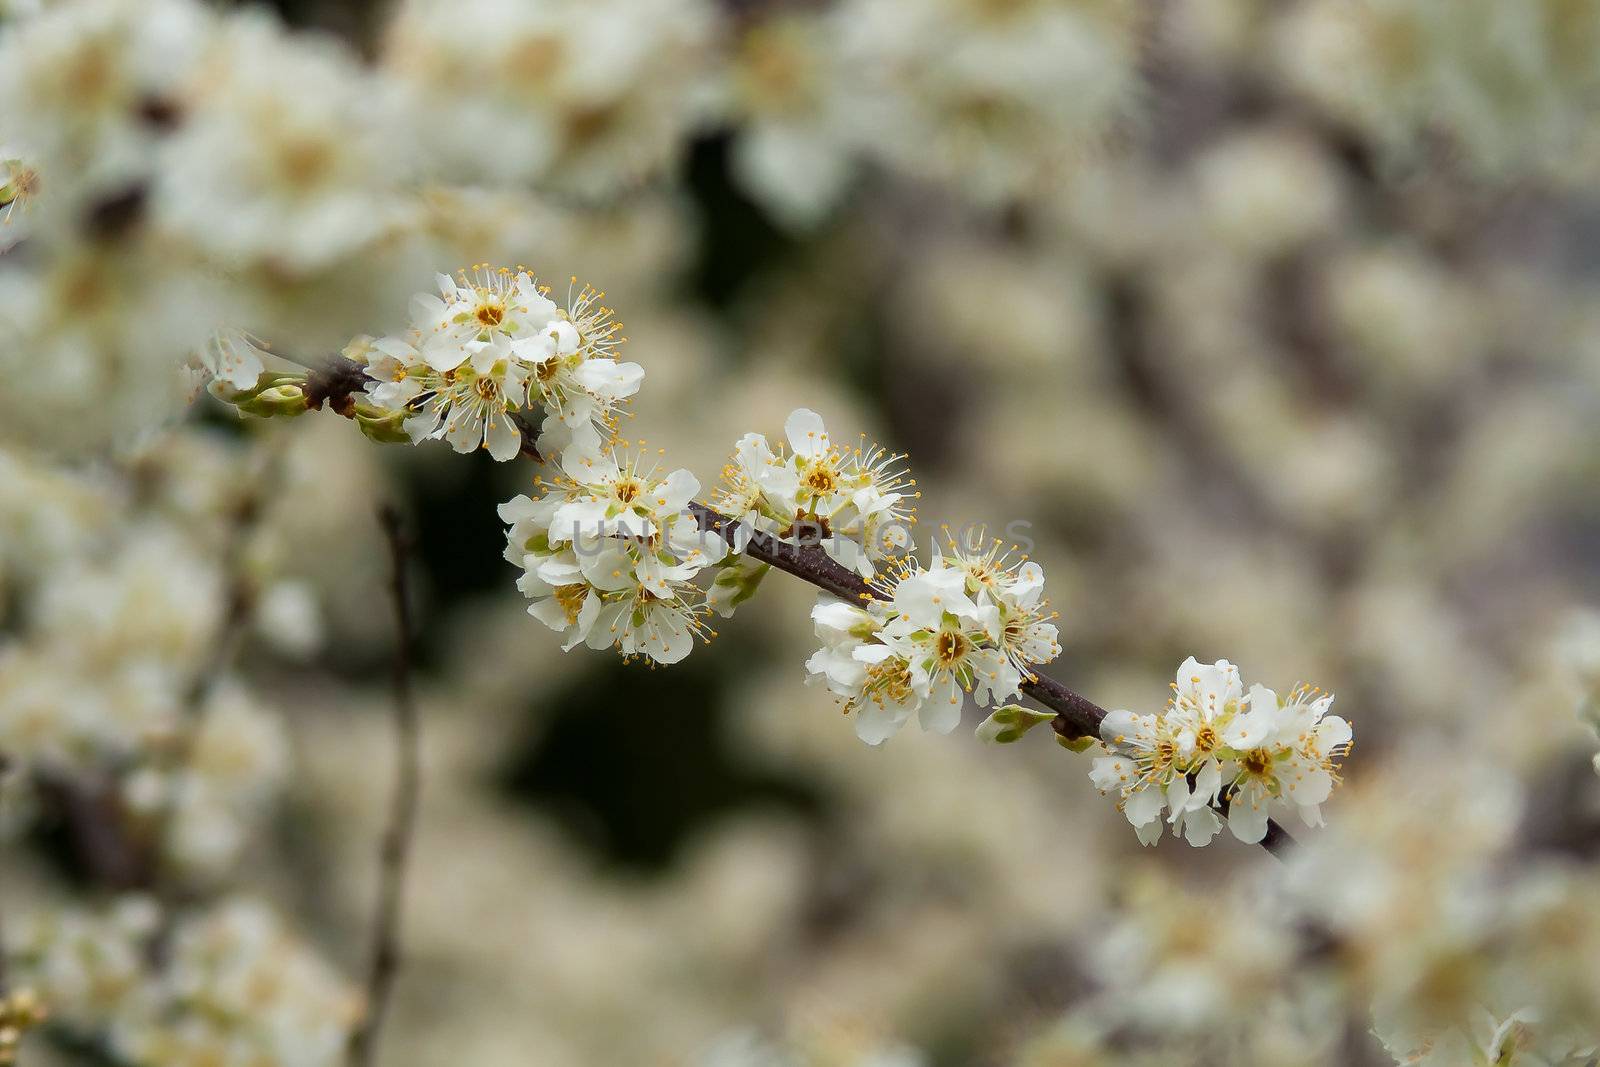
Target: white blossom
609,553
937,636
856,502
1216,751
492,345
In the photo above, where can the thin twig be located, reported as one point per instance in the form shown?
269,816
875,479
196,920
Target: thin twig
384,966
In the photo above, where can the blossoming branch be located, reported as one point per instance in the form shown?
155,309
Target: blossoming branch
613,545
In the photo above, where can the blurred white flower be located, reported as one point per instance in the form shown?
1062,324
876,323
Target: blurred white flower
586,96
296,180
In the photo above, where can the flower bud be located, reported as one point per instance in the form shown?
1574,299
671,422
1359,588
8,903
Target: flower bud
381,424
273,395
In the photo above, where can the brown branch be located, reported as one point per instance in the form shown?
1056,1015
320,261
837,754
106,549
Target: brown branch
395,851
336,383
1076,716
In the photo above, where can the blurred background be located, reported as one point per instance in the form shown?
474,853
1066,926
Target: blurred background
1271,325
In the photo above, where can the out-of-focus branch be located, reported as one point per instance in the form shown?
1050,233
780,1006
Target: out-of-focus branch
394,854
229,634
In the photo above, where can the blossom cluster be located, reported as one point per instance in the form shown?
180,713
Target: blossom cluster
162,181
970,622
1217,752
856,502
609,552
493,344
120,720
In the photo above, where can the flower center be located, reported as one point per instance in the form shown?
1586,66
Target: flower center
21,183
306,162
628,490
1165,752
890,680
1256,761
491,314
822,479
571,598
951,647
1205,739
486,388
548,369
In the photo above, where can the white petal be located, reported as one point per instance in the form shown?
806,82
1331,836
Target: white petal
675,492
1246,819
1200,826
876,723
608,379
1144,805
807,436
941,712
503,439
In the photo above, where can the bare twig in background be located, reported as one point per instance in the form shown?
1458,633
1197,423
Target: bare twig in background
384,965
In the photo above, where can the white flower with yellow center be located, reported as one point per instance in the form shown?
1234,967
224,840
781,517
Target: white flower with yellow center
576,377
609,554
491,344
19,184
1287,752
856,502
875,684
470,405
564,598
919,652
489,307
1212,750
1011,602
1140,770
